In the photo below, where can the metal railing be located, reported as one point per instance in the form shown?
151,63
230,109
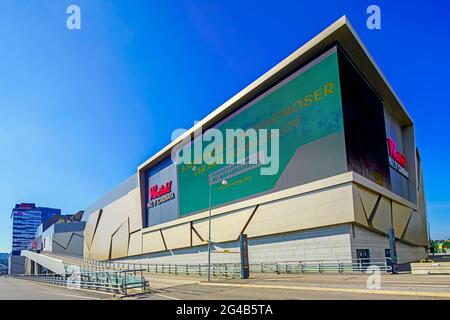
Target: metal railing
117,282
226,270
222,270
218,270
323,266
232,270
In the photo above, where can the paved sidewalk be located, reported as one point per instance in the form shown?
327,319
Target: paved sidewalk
306,286
399,282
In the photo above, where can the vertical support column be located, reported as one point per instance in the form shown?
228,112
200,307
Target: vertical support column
38,269
245,267
32,266
392,249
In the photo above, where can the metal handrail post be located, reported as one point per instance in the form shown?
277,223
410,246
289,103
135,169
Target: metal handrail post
209,233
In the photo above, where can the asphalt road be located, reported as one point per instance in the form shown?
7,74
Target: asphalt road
17,289
299,287
200,292
295,287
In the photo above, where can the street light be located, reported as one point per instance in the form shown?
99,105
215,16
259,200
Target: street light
224,182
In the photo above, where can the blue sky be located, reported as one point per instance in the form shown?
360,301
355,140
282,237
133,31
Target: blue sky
80,110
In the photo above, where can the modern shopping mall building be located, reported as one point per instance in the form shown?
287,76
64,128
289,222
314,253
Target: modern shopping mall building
349,171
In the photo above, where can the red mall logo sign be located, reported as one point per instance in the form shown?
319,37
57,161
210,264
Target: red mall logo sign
396,155
160,194
156,192
397,160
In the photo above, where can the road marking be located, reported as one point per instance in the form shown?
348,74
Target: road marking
429,285
68,295
164,296
367,291
38,284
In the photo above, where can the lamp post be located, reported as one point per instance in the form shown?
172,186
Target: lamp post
224,182
209,232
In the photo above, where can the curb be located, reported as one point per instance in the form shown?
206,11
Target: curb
365,291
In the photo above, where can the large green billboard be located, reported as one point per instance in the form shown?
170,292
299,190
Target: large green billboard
305,108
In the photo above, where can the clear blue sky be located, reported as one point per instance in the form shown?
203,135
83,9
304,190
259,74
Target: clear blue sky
80,110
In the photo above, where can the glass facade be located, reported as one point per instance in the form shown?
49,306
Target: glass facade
364,126
26,219
4,262
372,134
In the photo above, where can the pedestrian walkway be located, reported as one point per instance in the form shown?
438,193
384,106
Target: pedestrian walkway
399,284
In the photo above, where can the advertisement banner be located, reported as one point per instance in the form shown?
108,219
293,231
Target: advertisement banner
306,108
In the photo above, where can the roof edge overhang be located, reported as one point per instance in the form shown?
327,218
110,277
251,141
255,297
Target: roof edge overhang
340,32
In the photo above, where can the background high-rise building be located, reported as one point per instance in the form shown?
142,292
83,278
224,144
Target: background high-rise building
4,263
26,218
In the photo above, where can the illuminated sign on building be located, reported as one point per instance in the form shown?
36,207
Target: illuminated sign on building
162,197
160,194
397,160
396,155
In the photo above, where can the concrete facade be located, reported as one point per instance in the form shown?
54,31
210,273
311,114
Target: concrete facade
16,265
329,243
377,243
64,238
330,212
335,243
